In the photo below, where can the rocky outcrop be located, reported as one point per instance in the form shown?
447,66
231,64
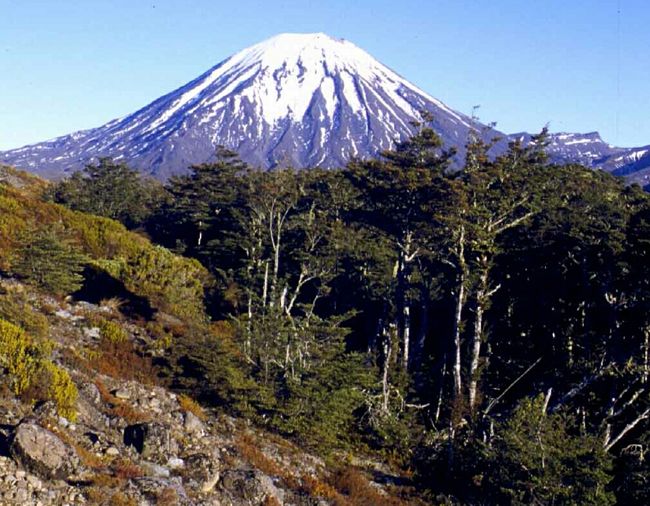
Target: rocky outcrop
42,453
140,444
243,487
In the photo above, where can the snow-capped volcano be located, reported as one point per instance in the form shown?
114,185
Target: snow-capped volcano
297,100
300,100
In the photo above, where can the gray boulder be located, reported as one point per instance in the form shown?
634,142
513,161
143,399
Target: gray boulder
42,453
250,487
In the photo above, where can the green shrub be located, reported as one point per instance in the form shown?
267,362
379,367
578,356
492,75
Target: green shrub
59,388
16,309
110,189
541,458
112,332
30,372
19,356
173,284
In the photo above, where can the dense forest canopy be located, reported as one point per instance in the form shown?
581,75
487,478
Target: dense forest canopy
488,327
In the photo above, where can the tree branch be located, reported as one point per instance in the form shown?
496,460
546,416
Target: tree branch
608,445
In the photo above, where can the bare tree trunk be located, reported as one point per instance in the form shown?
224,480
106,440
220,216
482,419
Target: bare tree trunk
249,325
406,315
377,338
476,354
407,255
610,443
266,284
275,242
403,310
423,328
477,338
441,390
385,386
646,353
458,314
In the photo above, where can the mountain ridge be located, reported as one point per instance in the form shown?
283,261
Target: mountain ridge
295,99
299,100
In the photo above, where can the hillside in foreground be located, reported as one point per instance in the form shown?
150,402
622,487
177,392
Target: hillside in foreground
86,413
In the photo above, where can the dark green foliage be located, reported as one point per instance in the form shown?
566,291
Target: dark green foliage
50,262
110,189
414,310
541,458
632,475
533,457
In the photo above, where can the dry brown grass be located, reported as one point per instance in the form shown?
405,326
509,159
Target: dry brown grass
106,487
315,487
126,470
87,457
106,480
167,497
120,408
250,452
113,304
345,487
129,413
121,360
121,499
358,491
189,405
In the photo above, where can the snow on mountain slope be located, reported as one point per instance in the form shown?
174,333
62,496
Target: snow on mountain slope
300,100
296,99
591,151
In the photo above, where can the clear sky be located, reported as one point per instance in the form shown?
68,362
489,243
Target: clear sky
579,65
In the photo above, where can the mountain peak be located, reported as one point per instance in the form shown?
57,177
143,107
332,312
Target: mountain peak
299,99
304,50
296,43
317,38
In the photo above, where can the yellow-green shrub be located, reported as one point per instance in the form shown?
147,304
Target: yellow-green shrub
18,356
112,331
15,308
173,284
189,405
60,389
31,372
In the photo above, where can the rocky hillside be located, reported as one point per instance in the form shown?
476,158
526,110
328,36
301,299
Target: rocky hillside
87,415
130,442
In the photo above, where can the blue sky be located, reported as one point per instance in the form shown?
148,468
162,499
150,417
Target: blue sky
577,64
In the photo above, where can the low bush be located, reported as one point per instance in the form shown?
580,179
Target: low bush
15,308
32,375
48,260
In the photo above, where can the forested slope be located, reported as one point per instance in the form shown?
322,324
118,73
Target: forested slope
486,330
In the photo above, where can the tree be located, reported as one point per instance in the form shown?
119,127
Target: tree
110,189
496,195
50,262
543,459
